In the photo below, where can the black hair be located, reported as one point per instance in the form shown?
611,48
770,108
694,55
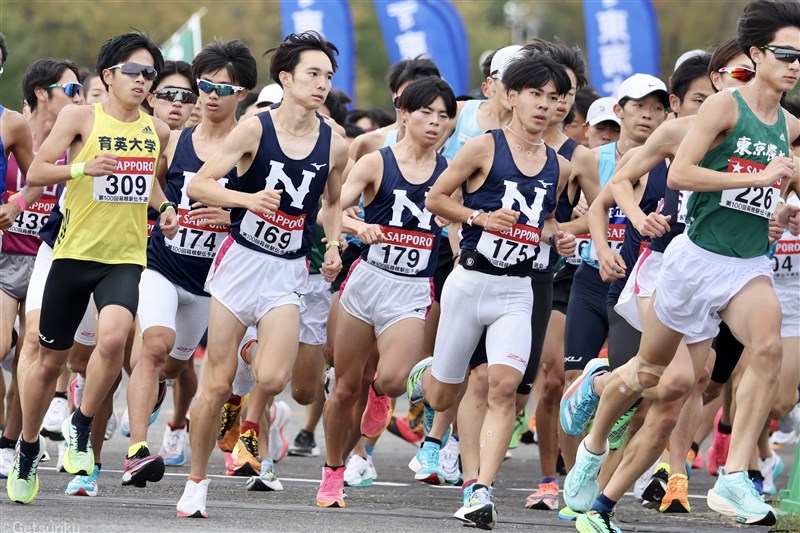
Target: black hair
234,56
570,57
688,71
570,116
762,19
486,66
335,102
246,102
286,56
42,73
118,49
533,70
409,70
584,99
181,68
378,116
424,91
352,131
3,47
723,54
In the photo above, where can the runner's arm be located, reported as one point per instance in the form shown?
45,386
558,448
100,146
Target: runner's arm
635,164
332,205
43,170
611,264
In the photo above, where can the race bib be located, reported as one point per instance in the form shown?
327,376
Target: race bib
194,238
130,183
510,247
30,221
615,237
683,205
150,225
403,251
581,241
786,261
759,201
278,234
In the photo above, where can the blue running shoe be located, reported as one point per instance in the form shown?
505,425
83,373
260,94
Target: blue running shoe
415,392
580,486
738,498
427,424
580,401
430,471
84,485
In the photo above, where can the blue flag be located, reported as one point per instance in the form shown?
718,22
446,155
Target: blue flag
621,39
431,28
332,20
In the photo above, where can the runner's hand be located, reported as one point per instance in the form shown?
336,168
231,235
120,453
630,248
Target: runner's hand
441,222
611,266
9,211
789,218
103,165
169,223
654,225
780,168
371,234
331,265
265,202
500,220
352,211
775,231
565,244
206,216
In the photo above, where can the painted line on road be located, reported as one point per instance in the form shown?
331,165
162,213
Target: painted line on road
694,496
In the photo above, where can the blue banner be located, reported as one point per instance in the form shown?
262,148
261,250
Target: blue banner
432,28
621,39
331,19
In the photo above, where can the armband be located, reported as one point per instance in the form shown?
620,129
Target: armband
331,244
166,205
76,170
475,214
552,240
21,202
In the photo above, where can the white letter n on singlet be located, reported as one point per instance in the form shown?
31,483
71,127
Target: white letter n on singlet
276,174
532,211
402,202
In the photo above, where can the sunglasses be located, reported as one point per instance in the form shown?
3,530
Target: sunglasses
223,89
134,69
739,73
789,55
184,96
71,88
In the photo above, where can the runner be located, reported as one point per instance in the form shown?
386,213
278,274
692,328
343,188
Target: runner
174,94
285,158
400,258
719,269
100,247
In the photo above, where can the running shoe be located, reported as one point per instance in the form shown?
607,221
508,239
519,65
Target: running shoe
76,390
596,522
6,460
79,456
84,485
430,471
580,486
22,485
193,500
738,498
279,417
173,447
304,445
722,442
449,459
620,430
111,426
520,426
580,401
466,494
711,461
779,439
357,472
401,427
479,512
676,500
331,489
428,414
62,451
330,379
657,487
229,426
245,455
695,460
54,417
758,482
568,515
377,414
415,392
544,498
125,425
266,480
142,467
770,468
790,422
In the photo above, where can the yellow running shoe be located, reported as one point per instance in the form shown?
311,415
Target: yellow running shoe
245,455
22,485
676,500
229,425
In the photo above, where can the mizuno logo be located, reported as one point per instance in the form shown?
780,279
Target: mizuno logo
318,165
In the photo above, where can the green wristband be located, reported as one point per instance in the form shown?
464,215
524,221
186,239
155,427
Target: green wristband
76,170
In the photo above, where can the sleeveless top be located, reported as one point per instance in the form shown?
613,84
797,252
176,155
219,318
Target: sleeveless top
616,218
3,162
466,129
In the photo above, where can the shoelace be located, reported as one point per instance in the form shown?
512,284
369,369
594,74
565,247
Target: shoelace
606,517
429,454
250,443
81,441
25,465
330,482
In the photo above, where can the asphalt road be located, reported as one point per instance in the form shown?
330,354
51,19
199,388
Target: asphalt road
394,503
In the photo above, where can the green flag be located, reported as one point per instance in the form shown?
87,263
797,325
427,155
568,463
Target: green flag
186,42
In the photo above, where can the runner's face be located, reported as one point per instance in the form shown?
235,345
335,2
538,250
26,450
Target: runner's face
128,89
641,117
310,82
726,81
95,92
426,125
498,93
781,74
535,107
698,91
58,98
176,113
575,130
602,133
565,101
214,106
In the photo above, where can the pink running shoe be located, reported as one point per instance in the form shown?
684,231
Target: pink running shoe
331,489
377,414
722,442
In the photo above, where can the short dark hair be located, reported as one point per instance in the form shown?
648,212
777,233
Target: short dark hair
3,47
181,68
234,56
486,66
87,76
246,102
762,19
286,56
409,70
688,71
352,131
335,102
118,49
533,70
424,91
723,54
42,73
570,57
584,99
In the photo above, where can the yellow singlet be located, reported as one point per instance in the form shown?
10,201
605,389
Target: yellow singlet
105,217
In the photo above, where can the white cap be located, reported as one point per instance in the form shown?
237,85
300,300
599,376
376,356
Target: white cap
501,58
271,94
602,110
640,85
687,55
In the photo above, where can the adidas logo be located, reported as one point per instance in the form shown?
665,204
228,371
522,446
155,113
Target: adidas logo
148,130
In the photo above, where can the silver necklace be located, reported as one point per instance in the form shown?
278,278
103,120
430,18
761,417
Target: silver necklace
518,147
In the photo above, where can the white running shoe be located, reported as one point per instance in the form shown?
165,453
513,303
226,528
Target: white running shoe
62,450
125,425
173,447
193,501
448,460
54,417
791,421
111,425
644,480
279,417
6,460
358,472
